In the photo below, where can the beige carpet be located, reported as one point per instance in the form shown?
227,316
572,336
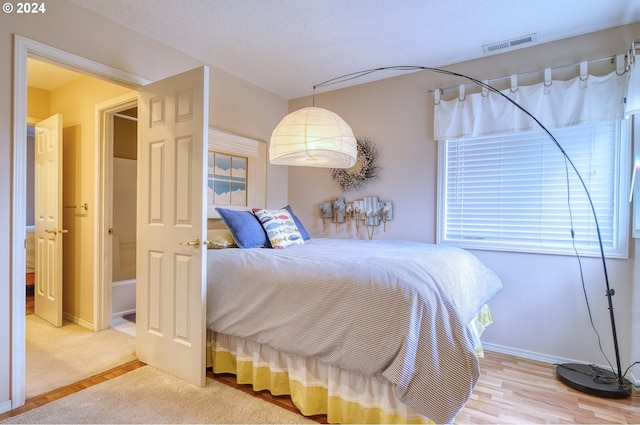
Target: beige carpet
148,395
57,357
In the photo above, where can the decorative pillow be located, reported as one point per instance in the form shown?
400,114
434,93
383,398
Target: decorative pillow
299,225
280,227
245,228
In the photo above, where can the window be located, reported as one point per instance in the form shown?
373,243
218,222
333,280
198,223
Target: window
510,192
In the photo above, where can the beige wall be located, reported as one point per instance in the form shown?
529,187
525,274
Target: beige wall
235,106
541,310
38,104
125,142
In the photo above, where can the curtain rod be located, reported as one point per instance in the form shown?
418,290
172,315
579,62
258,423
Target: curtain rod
629,56
490,80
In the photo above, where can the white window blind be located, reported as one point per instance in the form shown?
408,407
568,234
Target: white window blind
509,191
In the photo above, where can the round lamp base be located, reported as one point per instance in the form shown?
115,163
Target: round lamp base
593,380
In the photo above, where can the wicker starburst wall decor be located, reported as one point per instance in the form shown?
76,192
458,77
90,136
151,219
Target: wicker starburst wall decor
365,170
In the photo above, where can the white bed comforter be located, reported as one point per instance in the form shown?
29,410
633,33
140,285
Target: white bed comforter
394,310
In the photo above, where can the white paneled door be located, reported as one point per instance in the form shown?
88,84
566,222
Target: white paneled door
48,220
171,259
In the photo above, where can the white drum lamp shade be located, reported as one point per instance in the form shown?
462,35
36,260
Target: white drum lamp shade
313,137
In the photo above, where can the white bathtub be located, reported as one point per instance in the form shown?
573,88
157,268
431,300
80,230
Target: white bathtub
123,290
123,293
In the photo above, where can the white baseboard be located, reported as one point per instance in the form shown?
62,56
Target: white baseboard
525,354
78,321
545,358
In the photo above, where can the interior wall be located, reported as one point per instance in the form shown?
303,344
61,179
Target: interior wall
241,108
541,310
125,139
38,104
235,106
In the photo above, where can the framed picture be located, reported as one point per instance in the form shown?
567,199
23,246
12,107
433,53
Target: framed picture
227,180
236,172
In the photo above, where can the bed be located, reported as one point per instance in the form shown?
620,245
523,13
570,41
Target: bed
361,331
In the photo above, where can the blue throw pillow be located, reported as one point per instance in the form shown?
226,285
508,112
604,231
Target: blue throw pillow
301,229
245,228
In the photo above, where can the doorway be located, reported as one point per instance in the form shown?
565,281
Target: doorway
123,212
23,49
64,91
74,96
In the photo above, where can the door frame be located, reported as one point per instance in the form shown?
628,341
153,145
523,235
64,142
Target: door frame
26,48
105,111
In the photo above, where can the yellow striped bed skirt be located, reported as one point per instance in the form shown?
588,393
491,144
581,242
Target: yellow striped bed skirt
316,388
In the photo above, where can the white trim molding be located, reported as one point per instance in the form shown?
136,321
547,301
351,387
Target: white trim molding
25,48
545,358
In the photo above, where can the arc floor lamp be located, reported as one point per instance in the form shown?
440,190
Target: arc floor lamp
320,138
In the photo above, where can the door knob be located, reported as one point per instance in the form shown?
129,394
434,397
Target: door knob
194,243
55,231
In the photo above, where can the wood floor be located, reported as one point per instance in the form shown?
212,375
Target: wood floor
511,390
515,390
46,398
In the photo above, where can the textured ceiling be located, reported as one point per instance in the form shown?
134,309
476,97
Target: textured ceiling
288,46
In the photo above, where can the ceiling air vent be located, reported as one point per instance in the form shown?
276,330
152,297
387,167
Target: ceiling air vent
516,42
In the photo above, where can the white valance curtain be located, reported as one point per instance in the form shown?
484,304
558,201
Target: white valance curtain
632,104
554,103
